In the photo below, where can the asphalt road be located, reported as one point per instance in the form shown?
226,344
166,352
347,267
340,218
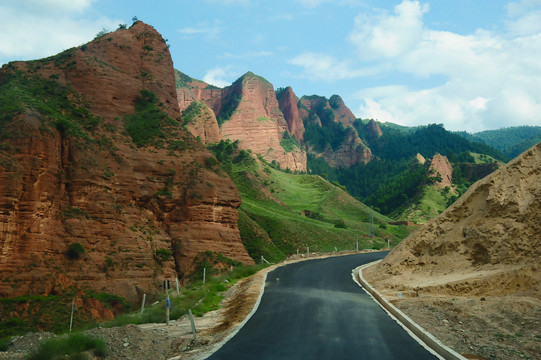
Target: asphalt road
314,310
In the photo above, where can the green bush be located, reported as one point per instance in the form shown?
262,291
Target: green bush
149,124
190,114
288,142
75,250
4,344
69,347
162,255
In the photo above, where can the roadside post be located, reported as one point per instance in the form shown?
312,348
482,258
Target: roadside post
143,303
194,331
166,286
71,317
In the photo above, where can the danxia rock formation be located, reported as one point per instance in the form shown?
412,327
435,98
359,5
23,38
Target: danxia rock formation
318,111
288,102
441,168
486,244
90,194
247,111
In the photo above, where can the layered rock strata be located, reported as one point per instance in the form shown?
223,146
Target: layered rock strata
140,213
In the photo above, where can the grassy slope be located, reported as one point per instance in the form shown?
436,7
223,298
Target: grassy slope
431,203
275,204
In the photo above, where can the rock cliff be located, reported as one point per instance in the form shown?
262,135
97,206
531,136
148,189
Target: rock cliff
374,131
342,112
347,148
100,186
252,115
288,102
248,111
441,168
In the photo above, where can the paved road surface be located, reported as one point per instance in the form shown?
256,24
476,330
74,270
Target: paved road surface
314,310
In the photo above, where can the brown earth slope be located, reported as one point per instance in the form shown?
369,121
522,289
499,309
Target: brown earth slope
473,274
75,175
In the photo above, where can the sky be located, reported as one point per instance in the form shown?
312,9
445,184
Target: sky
471,65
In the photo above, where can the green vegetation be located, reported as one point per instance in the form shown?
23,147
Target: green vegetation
149,125
388,183
283,212
52,312
58,106
231,101
289,143
75,250
428,203
510,141
162,255
190,114
69,347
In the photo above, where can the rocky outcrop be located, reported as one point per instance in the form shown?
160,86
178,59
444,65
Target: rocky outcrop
317,111
374,131
352,151
251,114
189,90
201,122
419,159
247,111
288,103
342,113
76,169
441,168
486,243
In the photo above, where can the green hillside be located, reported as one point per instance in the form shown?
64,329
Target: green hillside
511,141
282,212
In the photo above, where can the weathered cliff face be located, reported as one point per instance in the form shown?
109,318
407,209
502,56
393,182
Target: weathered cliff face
440,165
288,103
249,112
257,122
318,111
201,122
71,172
343,113
374,131
351,152
486,243
189,90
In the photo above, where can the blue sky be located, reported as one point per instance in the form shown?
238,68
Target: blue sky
469,64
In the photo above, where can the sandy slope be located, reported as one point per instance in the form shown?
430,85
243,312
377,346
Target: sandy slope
478,262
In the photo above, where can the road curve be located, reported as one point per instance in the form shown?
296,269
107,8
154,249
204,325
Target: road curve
314,310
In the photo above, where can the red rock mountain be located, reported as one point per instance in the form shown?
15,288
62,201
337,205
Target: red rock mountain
318,111
77,166
288,102
440,165
374,131
247,111
343,113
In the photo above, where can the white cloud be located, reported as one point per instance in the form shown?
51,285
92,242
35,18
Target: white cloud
33,29
385,35
202,29
217,77
491,79
319,66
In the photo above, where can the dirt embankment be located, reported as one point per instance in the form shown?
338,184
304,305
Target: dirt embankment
472,276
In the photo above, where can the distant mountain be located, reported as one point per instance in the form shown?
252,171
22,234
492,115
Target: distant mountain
510,141
322,136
